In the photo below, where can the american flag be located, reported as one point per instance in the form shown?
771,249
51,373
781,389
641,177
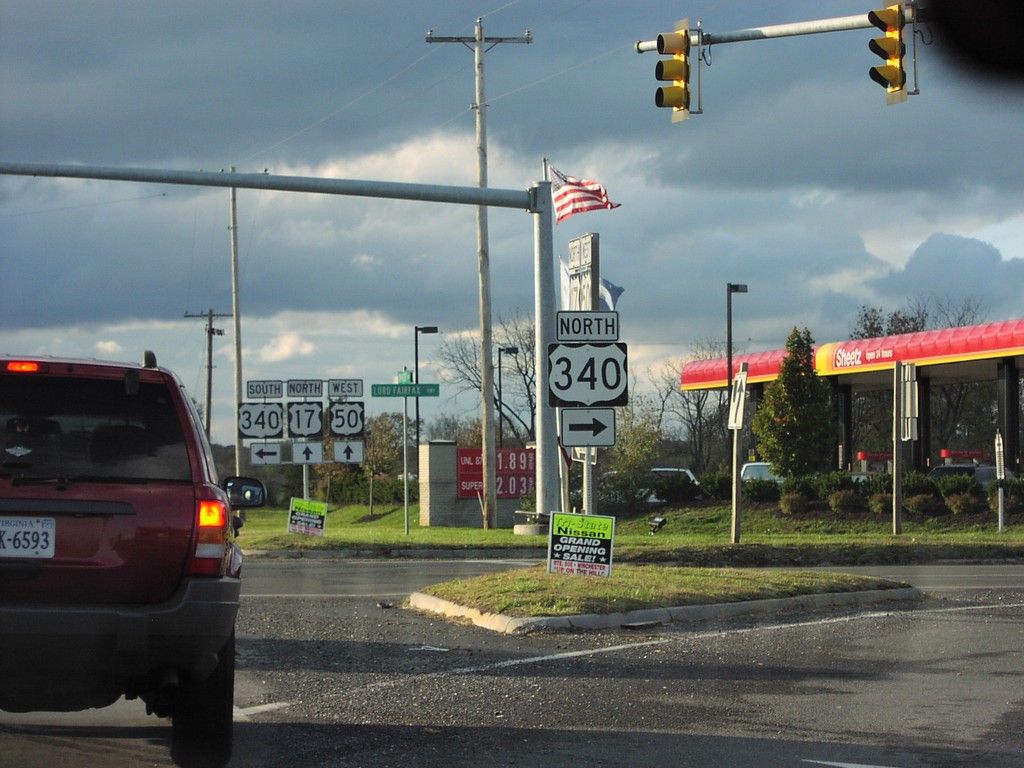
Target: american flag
572,195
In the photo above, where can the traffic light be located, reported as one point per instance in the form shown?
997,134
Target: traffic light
891,75
676,70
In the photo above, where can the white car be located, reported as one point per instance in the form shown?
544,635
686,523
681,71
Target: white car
758,470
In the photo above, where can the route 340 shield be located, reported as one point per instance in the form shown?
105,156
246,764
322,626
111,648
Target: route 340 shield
581,375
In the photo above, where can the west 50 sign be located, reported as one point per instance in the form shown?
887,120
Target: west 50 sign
515,472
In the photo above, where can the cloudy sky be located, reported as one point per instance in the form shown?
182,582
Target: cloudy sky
797,180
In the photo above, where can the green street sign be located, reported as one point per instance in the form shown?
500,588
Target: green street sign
405,390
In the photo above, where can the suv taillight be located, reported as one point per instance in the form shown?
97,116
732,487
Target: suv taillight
213,519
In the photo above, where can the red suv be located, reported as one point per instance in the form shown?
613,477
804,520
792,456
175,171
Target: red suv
119,574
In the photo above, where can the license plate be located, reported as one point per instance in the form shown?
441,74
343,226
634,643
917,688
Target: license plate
30,537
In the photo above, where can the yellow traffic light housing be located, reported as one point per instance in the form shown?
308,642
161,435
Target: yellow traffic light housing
891,75
676,70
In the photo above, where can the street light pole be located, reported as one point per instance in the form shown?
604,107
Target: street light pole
501,412
730,289
416,379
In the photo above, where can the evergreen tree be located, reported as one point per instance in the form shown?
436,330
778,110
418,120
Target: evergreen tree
795,423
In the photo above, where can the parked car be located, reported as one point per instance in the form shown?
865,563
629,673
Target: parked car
119,573
985,474
758,470
666,481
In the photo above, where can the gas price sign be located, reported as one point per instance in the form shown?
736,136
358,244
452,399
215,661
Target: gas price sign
515,472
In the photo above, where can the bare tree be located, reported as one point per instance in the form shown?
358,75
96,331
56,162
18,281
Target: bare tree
460,359
961,413
699,415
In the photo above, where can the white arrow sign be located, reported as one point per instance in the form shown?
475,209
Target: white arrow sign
349,451
587,427
307,453
265,453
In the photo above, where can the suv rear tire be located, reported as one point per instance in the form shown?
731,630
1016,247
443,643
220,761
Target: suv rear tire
201,726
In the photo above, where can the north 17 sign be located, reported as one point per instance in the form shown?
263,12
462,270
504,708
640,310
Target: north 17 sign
305,419
587,374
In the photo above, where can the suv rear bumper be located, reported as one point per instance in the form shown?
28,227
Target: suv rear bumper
50,653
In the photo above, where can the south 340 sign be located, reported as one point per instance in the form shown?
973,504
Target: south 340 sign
587,374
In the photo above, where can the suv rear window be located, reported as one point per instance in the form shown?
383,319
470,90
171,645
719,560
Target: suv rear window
57,427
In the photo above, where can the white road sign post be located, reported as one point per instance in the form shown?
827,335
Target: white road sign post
737,404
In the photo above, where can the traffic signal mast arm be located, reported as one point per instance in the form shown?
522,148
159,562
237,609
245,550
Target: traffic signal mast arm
839,24
891,48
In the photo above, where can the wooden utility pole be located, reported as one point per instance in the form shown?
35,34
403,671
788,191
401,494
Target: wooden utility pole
210,333
481,45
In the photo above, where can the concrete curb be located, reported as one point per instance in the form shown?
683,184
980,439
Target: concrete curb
421,553
690,613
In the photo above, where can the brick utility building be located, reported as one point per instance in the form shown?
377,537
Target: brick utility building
976,353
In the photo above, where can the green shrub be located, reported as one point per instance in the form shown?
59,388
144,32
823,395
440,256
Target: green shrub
1013,496
674,487
919,484
801,485
828,483
792,503
880,483
965,503
880,503
760,490
846,501
716,485
925,504
959,485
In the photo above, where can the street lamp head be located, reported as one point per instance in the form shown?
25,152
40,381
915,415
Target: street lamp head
510,350
737,287
426,329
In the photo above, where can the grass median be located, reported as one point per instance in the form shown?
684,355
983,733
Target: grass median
693,536
529,592
689,562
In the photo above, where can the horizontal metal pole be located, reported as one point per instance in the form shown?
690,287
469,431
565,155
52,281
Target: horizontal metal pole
436,193
838,24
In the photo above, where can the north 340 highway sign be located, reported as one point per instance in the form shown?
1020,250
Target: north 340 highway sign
587,374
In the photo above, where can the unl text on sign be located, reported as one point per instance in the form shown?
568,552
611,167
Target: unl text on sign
515,472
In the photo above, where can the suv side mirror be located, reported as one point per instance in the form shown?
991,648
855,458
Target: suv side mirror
244,492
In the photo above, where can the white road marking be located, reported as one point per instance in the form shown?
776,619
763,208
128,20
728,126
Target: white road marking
848,765
243,713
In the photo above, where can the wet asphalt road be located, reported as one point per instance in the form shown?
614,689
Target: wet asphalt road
332,672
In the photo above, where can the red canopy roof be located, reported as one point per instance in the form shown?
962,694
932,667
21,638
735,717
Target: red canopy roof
948,345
